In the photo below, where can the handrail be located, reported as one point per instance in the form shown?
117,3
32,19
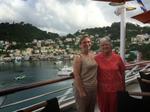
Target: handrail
30,86
137,63
146,81
42,83
139,93
147,72
36,106
35,97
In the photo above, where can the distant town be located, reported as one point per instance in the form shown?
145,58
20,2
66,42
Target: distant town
24,42
50,50
40,50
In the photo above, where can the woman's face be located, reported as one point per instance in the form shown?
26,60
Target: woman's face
105,46
85,44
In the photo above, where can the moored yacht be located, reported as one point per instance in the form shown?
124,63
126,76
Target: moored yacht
65,71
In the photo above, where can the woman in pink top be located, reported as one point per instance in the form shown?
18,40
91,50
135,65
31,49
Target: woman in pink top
110,77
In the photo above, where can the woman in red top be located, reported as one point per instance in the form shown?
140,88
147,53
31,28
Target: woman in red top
110,77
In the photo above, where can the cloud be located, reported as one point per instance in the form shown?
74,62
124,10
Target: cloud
63,16
72,15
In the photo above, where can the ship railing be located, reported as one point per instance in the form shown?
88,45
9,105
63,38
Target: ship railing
132,70
132,74
65,99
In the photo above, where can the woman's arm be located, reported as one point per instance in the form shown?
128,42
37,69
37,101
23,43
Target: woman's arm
77,78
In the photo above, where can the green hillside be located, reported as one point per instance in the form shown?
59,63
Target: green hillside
21,32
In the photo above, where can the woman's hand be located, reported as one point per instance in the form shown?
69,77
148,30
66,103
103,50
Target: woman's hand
82,93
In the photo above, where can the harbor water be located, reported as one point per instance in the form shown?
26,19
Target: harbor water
19,74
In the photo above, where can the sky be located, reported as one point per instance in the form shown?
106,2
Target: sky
65,16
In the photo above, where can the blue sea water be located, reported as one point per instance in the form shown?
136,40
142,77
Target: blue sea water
32,72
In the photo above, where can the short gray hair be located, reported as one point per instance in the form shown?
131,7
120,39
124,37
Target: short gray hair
105,39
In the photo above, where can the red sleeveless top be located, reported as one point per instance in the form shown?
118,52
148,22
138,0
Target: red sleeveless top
110,77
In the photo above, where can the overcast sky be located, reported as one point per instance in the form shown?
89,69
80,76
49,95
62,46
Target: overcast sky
64,16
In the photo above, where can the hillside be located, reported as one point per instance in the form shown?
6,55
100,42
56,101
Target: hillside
21,32
114,30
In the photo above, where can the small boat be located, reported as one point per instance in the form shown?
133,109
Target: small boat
58,62
2,62
65,71
20,77
18,59
26,58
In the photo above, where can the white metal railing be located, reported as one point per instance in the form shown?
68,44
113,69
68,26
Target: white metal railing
133,73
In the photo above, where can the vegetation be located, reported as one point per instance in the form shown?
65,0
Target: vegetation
25,33
21,32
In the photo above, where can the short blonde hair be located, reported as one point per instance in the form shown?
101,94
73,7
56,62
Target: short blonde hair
83,37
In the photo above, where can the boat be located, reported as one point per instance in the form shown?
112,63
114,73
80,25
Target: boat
2,62
65,71
58,62
20,77
26,58
17,59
